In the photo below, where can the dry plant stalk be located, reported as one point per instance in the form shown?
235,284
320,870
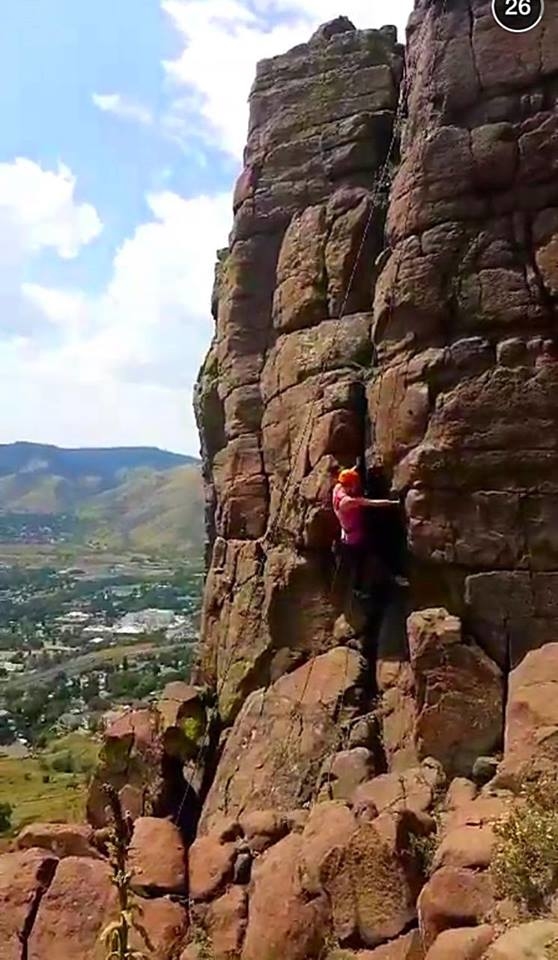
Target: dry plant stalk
116,935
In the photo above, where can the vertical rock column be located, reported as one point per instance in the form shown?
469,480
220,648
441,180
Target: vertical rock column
465,401
280,398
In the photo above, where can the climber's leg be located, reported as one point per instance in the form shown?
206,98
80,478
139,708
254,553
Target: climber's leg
349,565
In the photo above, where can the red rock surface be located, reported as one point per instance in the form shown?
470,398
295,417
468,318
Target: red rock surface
157,857
320,127
210,866
531,716
225,923
73,913
453,897
292,726
469,943
524,941
372,886
463,317
282,920
62,839
24,878
459,692
81,901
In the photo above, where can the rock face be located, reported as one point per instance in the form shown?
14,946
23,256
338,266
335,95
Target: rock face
24,879
157,857
155,759
464,325
531,716
428,349
280,398
292,726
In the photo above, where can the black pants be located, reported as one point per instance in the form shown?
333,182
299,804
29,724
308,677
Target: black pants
352,562
361,566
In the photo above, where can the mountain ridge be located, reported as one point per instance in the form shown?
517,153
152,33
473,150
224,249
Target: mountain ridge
127,497
26,456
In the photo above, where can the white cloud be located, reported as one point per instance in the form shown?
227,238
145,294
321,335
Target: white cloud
118,367
38,210
62,410
122,107
65,309
131,354
224,39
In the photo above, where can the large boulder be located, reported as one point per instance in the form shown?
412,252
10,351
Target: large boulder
225,923
293,725
536,939
129,760
149,779
77,907
344,771
531,733
372,882
62,839
183,720
290,924
328,829
157,857
459,692
210,866
468,943
397,712
412,789
407,947
24,879
453,897
81,902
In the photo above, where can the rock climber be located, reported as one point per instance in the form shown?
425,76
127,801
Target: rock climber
348,504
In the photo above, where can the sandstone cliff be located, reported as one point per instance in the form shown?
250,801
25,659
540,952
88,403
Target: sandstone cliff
331,789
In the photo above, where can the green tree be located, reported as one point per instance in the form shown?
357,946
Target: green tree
5,817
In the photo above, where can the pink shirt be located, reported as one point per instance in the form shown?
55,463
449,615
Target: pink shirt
349,515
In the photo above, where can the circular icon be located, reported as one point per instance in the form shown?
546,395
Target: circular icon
518,16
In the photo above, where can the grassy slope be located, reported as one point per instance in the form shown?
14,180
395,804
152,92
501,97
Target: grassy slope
147,511
62,798
43,493
151,511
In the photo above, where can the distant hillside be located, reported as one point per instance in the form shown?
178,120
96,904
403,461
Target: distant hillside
136,497
104,466
149,511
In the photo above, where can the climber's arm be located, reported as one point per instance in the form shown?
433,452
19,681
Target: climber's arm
365,502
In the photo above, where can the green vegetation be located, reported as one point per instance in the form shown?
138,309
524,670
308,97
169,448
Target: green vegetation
37,790
6,811
423,849
525,865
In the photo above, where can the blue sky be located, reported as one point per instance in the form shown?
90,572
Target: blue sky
122,129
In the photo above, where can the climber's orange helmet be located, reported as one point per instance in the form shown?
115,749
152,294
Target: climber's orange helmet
349,479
